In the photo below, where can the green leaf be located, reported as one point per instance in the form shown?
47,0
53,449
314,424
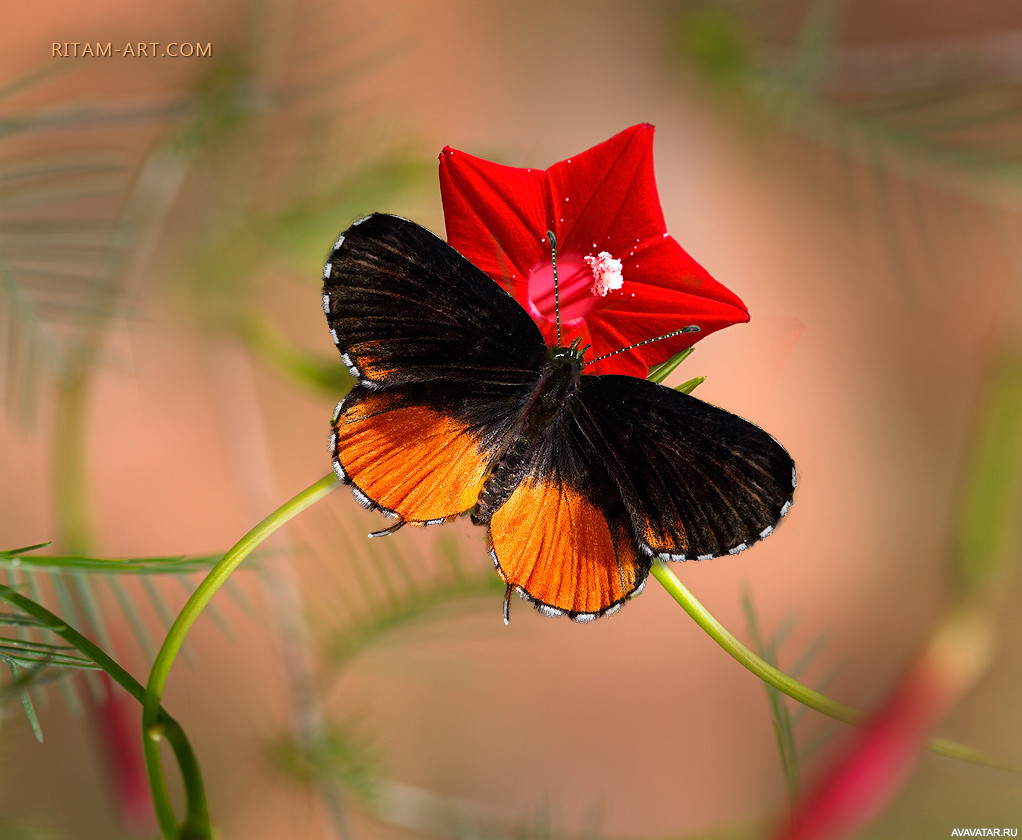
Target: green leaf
689,386
26,701
24,558
661,372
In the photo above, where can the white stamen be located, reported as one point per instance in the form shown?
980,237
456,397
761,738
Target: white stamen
606,273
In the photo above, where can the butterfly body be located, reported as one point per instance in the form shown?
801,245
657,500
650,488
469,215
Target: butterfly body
553,390
582,480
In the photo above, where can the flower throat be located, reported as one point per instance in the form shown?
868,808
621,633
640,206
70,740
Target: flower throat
573,352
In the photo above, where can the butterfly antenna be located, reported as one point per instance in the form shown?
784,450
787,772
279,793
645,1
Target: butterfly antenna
557,299
507,604
691,328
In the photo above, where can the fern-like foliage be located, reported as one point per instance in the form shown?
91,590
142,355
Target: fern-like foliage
374,588
784,730
890,126
28,647
784,716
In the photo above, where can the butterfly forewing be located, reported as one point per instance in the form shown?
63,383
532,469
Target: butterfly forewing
405,307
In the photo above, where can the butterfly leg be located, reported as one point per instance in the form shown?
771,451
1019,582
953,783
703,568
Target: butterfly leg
386,532
507,603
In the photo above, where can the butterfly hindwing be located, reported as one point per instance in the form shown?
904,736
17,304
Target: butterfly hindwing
445,362
407,458
697,481
563,537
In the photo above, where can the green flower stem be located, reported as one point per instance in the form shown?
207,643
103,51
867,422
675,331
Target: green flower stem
746,658
793,688
196,824
170,728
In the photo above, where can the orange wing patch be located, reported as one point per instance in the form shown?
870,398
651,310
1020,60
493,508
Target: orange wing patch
410,460
552,544
678,550
368,360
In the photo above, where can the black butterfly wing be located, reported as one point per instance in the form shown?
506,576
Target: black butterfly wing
697,481
405,307
446,362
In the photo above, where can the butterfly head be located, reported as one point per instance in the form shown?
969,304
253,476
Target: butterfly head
571,354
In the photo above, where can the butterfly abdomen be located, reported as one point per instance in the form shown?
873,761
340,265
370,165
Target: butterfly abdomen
555,386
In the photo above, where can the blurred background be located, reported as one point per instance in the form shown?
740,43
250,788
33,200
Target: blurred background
850,169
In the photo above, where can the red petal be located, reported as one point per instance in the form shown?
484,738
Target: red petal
622,327
606,197
495,216
664,290
662,264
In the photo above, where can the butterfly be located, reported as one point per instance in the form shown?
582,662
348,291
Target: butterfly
459,407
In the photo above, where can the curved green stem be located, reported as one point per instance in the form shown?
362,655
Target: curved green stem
171,728
196,823
792,687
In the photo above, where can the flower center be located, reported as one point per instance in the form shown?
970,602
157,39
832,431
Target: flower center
581,281
606,273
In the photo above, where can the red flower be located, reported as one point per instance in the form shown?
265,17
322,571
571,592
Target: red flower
621,278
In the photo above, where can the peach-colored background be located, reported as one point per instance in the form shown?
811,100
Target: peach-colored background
866,368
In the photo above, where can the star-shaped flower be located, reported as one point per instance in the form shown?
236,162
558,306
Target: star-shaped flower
622,279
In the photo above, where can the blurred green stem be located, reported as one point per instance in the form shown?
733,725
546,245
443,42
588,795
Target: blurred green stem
746,658
152,731
70,471
130,253
792,687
